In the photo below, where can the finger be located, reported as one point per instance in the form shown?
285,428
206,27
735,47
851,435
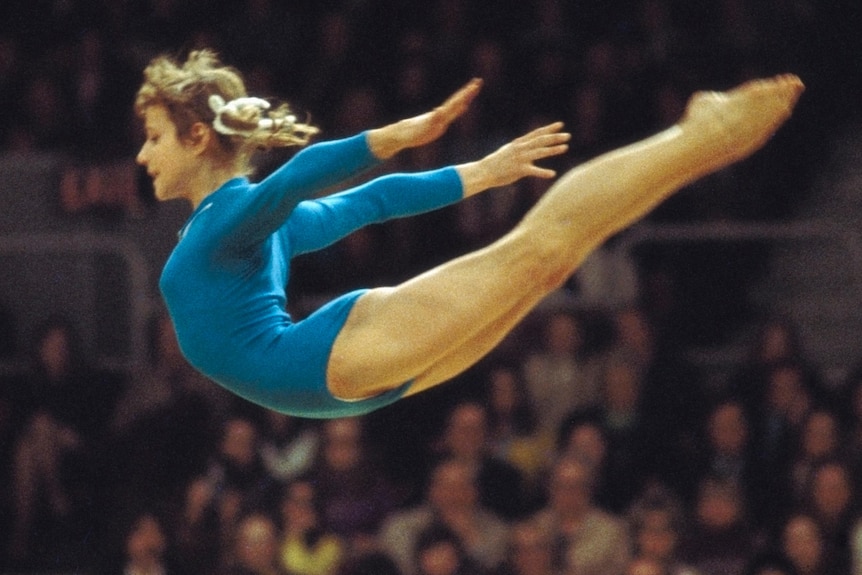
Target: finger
458,102
544,140
541,131
547,152
539,172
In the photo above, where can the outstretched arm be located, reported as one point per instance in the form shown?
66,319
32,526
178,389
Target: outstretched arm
317,223
413,132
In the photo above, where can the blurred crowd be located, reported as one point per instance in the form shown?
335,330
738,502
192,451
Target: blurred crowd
584,445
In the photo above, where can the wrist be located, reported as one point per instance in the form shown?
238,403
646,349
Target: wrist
474,178
382,143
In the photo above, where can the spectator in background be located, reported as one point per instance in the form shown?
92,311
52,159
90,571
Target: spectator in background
54,474
465,438
586,539
531,551
560,375
776,341
832,501
513,434
169,384
41,114
145,548
803,545
196,528
725,451
289,446
583,436
355,495
451,500
164,424
820,440
634,338
720,538
307,547
236,469
657,525
254,548
233,483
439,552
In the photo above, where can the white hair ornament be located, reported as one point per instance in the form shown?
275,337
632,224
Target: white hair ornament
232,108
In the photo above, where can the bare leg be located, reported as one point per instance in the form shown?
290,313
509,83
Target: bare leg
441,322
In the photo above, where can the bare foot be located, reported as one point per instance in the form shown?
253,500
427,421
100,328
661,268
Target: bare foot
732,125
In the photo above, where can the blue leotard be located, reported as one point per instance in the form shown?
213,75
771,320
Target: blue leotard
225,282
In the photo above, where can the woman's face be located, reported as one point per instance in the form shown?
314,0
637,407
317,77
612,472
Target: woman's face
164,154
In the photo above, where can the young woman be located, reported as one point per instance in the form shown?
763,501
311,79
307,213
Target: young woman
224,284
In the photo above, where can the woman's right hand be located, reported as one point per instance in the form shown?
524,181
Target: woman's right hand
515,160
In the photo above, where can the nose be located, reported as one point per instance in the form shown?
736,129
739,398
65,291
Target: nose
141,158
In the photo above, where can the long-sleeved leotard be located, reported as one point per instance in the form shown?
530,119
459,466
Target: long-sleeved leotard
225,282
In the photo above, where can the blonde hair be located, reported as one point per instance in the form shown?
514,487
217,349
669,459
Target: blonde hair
202,89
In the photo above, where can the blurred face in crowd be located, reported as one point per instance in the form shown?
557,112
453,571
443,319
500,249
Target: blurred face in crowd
453,487
719,506
298,507
621,387
531,550
728,428
342,443
257,543
504,391
440,558
831,490
467,431
656,537
240,442
802,543
563,335
571,488
644,566
145,545
587,440
820,435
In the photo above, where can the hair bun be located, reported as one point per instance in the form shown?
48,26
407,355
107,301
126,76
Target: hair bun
232,109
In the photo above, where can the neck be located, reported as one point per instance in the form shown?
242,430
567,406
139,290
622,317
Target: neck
208,181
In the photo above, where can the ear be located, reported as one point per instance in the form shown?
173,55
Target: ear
199,138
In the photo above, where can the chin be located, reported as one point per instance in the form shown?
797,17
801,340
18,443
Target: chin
160,193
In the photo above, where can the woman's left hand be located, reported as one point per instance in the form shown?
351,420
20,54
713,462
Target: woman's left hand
423,129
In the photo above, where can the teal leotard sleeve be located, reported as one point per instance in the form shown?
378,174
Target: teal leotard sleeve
225,282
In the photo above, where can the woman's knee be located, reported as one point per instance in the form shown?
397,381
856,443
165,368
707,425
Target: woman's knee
545,264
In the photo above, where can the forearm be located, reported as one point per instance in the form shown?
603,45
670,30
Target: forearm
385,142
318,223
475,178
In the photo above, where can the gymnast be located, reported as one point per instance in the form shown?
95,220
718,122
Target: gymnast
225,282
